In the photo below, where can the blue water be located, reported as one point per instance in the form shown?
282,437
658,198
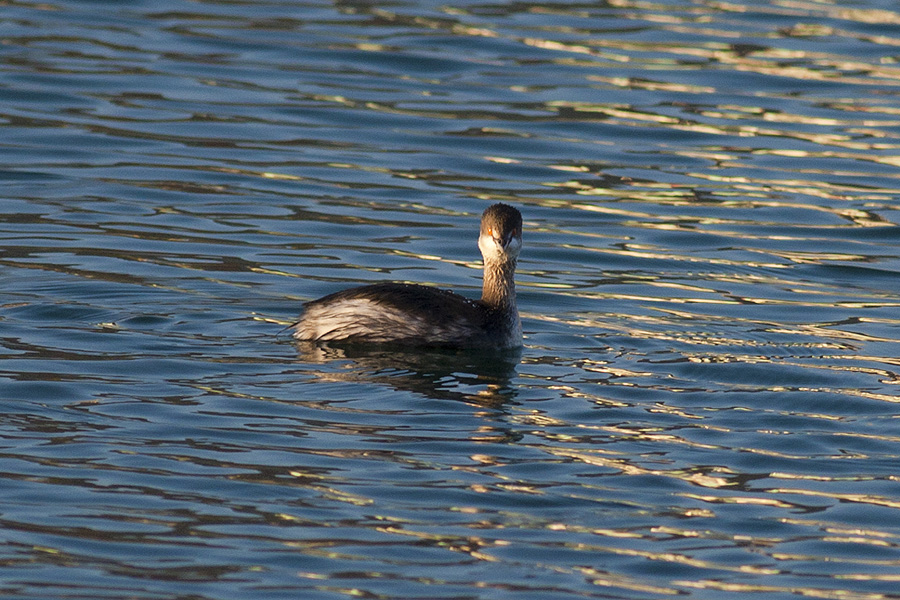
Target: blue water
706,404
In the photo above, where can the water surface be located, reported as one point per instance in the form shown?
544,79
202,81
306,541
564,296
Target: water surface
706,403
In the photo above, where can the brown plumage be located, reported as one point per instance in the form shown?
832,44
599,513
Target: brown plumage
419,315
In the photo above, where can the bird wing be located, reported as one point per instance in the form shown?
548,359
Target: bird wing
391,312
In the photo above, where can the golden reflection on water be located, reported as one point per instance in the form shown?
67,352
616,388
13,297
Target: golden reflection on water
804,591
699,209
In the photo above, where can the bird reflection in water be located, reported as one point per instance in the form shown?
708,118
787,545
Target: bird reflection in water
479,377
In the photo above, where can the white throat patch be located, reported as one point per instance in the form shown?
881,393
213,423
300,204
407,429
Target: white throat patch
492,251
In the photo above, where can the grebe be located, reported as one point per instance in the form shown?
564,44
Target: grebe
419,315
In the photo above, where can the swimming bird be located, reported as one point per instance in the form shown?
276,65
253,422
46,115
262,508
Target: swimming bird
420,315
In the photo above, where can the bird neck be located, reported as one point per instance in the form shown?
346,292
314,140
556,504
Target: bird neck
499,288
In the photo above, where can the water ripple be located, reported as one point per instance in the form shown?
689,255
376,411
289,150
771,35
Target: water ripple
706,403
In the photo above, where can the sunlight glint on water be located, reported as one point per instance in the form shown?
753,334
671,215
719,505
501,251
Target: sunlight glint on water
706,403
